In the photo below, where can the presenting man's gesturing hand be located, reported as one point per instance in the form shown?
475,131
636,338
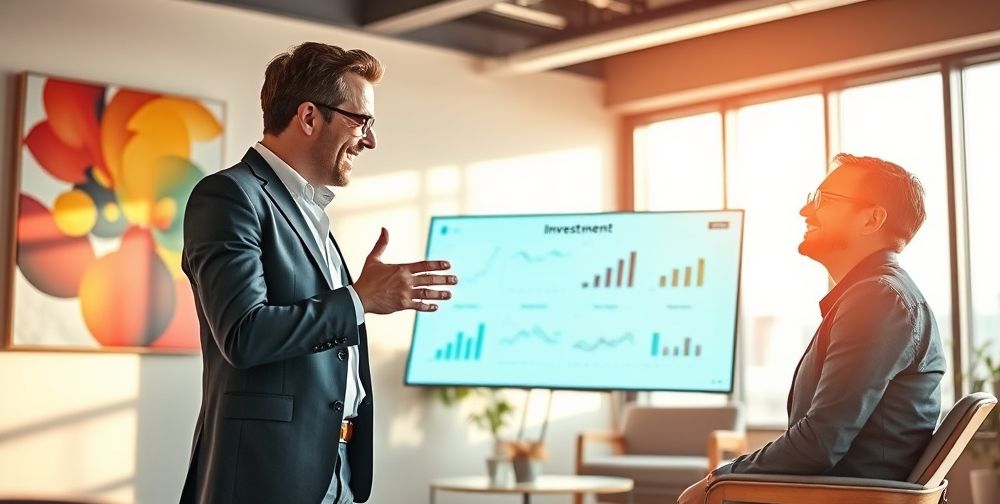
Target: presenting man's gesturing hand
388,288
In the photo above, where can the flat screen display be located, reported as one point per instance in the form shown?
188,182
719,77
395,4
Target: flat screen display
610,301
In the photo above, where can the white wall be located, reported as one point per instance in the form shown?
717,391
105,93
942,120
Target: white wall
118,426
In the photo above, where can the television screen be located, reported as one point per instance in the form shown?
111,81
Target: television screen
611,301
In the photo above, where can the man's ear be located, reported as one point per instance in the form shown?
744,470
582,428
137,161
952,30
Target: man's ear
875,220
305,118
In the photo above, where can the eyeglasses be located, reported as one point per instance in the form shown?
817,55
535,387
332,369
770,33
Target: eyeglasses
816,199
366,121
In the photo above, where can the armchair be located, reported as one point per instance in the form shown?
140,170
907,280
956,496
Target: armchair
663,450
926,484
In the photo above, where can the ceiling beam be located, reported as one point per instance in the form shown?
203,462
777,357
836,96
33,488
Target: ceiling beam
528,15
422,16
660,31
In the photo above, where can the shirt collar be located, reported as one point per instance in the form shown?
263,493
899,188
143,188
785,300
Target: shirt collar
864,269
293,181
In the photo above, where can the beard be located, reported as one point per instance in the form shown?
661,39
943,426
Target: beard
822,243
337,173
341,169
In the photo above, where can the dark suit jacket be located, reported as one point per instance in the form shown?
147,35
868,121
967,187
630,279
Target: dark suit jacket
273,336
866,395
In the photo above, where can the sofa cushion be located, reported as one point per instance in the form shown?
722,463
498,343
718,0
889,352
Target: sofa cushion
650,430
649,470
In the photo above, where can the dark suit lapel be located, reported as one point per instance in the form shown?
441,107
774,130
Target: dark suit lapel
279,195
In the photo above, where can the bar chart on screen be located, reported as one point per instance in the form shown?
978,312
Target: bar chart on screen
462,348
620,276
685,276
683,349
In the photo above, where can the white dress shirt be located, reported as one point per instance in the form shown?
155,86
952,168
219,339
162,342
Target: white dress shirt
312,202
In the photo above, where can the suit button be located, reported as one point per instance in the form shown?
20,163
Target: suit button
337,406
342,354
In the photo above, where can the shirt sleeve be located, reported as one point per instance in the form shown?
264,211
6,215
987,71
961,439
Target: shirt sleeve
871,340
359,309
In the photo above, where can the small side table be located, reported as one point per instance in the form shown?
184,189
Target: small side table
544,484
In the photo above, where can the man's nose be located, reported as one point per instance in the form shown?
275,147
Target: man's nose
368,141
806,210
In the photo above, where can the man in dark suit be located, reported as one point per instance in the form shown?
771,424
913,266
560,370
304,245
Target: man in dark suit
866,395
286,412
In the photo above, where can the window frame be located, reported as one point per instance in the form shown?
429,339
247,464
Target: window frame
949,68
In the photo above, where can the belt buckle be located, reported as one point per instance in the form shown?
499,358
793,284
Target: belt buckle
346,431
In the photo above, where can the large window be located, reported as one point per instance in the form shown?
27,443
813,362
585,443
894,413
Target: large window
902,121
684,157
765,155
777,157
982,156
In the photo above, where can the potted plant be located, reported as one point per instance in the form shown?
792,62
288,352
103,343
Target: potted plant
527,456
493,412
986,482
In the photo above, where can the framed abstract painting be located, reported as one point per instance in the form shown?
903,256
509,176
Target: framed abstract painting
100,183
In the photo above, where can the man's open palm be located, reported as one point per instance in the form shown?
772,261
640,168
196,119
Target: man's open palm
388,288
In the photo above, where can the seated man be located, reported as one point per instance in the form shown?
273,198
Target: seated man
865,398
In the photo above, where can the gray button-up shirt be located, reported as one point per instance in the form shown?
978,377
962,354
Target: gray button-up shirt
866,395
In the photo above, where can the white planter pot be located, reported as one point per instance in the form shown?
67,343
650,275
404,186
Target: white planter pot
985,486
499,471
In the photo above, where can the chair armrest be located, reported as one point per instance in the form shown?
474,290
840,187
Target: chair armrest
616,440
791,489
722,441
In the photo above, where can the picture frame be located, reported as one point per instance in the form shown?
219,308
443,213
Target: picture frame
99,185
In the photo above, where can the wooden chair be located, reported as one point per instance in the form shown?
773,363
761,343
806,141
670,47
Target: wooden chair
925,485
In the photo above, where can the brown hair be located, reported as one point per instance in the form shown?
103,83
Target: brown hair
311,71
890,186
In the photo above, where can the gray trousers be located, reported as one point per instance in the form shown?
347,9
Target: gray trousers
339,491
